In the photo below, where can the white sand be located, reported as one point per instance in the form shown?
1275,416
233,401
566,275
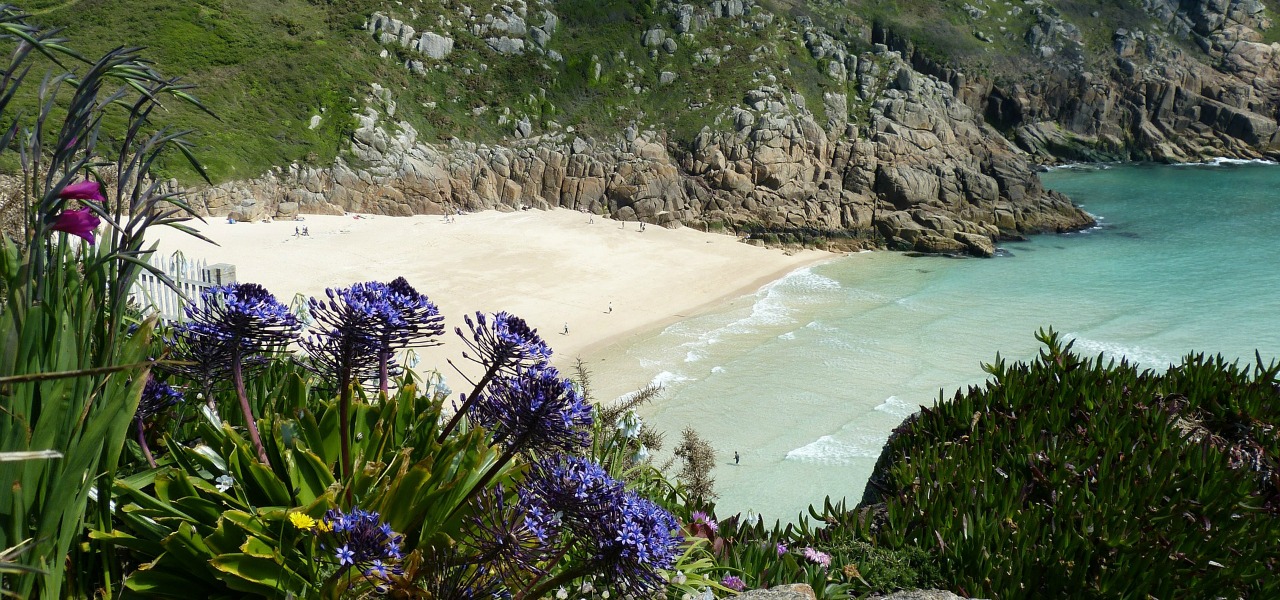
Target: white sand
548,267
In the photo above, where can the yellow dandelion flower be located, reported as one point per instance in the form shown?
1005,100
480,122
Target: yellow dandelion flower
302,521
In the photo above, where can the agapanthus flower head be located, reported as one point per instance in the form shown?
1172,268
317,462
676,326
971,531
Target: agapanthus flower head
361,326
507,538
816,556
733,582
244,316
80,222
83,190
576,489
156,396
634,541
361,541
535,410
419,318
506,341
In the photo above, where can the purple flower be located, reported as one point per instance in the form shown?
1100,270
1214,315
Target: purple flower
535,410
245,316
362,542
239,321
362,326
634,541
156,396
700,517
817,557
626,537
733,582
782,549
79,222
508,343
508,539
576,489
84,190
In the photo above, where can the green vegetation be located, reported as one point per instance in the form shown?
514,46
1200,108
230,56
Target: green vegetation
1076,476
265,68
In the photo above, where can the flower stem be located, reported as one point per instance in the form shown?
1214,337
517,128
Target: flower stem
237,377
142,441
344,432
565,576
475,394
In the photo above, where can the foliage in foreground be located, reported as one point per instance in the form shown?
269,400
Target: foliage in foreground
1079,477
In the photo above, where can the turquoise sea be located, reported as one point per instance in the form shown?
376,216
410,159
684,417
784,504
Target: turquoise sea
806,378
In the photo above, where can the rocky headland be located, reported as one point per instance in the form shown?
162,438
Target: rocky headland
919,128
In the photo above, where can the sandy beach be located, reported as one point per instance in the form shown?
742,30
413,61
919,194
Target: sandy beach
604,280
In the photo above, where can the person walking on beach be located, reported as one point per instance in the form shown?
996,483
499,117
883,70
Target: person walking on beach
736,458
566,328
610,308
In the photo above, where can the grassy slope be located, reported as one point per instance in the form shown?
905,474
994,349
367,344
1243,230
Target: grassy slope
267,67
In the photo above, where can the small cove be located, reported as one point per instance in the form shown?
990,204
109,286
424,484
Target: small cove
807,377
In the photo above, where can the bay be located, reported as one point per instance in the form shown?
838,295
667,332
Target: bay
806,378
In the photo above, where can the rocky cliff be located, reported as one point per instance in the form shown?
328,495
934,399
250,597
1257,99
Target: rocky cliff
1190,81
891,156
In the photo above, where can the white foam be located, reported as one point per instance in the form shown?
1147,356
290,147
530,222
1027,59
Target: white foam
1144,356
717,369
790,335
1222,161
1080,167
897,407
666,378
693,356
827,450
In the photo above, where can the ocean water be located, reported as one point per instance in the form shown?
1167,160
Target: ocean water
806,378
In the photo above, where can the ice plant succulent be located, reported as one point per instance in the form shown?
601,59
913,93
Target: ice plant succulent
241,321
156,396
505,343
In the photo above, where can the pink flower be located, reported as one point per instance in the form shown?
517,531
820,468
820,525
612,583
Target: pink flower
80,222
84,190
817,557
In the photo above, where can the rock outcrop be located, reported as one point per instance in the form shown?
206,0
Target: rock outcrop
913,167
1200,84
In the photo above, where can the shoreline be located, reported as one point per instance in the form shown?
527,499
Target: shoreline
605,280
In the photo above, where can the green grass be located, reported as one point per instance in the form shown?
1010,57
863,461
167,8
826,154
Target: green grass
267,67
263,67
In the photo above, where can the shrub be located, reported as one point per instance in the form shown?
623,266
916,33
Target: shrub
1081,477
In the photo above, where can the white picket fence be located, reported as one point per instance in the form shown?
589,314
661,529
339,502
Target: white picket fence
192,277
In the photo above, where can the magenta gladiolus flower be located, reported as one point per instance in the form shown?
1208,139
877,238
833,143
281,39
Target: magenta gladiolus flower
84,190
80,222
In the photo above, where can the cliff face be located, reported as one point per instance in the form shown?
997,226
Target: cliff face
923,171
1195,82
881,143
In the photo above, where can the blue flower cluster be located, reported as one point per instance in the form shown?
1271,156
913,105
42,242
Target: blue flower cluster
507,344
361,327
535,411
244,316
627,537
360,540
156,396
